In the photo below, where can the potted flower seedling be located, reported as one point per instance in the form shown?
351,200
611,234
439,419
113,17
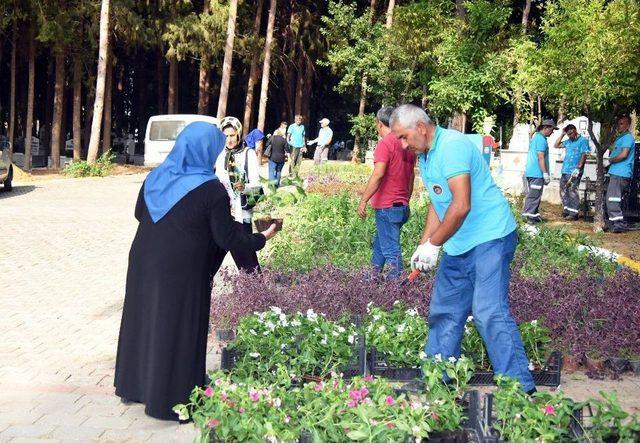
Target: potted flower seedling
269,206
594,361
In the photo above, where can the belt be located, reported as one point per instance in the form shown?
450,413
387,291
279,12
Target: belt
398,204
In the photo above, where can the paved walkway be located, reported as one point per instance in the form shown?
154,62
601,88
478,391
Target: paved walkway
62,273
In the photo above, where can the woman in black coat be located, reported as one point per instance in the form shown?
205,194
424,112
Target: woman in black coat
184,232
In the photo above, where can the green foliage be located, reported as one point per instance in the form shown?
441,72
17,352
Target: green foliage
81,168
356,48
364,127
557,249
289,193
326,230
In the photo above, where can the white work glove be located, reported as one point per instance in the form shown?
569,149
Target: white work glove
547,178
425,257
575,173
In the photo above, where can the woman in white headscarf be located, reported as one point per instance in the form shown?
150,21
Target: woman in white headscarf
238,170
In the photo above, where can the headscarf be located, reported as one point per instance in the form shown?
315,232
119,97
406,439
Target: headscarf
189,164
253,137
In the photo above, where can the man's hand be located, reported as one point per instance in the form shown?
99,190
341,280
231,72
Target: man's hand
425,257
239,186
362,210
547,178
575,173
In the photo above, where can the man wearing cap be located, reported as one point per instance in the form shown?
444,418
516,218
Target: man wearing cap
621,160
576,148
389,189
537,171
325,136
296,137
471,220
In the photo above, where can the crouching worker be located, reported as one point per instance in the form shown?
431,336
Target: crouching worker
470,218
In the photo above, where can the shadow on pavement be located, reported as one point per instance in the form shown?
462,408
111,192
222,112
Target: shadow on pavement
16,191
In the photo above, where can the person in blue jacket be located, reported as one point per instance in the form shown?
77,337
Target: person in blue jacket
537,171
576,148
471,220
621,158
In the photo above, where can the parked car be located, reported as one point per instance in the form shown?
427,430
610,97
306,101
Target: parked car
162,131
6,168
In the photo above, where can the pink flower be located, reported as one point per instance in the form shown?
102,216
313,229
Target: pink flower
287,419
218,382
318,387
241,410
355,395
549,410
363,392
435,416
335,384
352,403
213,422
254,395
389,424
223,396
389,400
368,378
208,392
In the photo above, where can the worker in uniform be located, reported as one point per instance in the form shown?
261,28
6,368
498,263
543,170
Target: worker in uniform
576,148
537,171
471,220
621,160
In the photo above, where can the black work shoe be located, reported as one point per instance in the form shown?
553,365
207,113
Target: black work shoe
532,391
617,229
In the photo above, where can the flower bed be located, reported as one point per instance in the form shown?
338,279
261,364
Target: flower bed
331,410
583,314
270,342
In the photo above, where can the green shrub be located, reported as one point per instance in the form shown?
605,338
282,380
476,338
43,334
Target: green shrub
82,168
326,230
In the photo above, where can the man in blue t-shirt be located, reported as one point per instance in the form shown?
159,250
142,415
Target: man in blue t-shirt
296,137
576,148
621,158
537,171
472,221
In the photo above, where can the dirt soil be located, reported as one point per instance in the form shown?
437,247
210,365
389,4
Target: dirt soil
626,243
40,174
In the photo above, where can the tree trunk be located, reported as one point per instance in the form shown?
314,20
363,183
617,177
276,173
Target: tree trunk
539,110
56,126
300,86
160,61
12,93
607,133
308,90
392,4
108,104
355,156
100,83
28,133
204,77
228,59
266,66
461,12
525,16
77,109
254,71
172,100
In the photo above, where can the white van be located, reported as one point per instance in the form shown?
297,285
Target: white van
162,131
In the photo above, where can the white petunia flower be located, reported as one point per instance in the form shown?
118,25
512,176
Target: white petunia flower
254,354
340,329
534,322
412,312
381,328
253,332
470,318
295,323
376,317
423,355
277,402
276,309
283,318
531,367
335,333
416,431
324,340
265,333
397,302
401,327
283,346
452,359
350,339
270,325
438,358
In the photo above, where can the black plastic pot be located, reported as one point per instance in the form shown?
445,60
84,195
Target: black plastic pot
549,375
379,366
225,334
635,366
617,364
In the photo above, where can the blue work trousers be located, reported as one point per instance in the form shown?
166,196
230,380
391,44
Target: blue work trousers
275,172
477,282
386,240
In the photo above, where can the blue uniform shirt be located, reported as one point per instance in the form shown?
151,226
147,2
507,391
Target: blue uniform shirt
490,216
573,151
297,135
537,144
625,167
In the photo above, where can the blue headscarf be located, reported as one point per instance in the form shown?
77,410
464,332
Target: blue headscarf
253,137
189,164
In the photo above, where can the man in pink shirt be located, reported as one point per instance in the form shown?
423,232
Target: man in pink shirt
389,189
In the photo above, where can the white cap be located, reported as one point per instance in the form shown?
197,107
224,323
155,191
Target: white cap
325,121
